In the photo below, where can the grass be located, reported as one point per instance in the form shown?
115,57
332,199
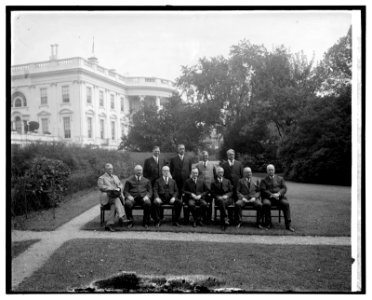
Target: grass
20,247
318,210
67,210
252,267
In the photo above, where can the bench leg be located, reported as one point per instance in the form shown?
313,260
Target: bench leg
102,216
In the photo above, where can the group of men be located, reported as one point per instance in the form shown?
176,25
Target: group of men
195,188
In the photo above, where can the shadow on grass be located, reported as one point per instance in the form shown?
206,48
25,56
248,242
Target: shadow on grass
20,247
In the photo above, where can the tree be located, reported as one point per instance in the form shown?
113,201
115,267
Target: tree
177,122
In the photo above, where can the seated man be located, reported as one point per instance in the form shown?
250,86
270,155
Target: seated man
222,191
110,184
138,191
273,191
248,195
195,191
166,192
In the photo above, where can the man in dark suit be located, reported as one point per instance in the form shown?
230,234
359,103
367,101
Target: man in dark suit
166,192
222,191
137,190
153,165
233,170
195,190
248,195
180,168
273,190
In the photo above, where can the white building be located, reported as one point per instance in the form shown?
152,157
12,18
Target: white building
77,100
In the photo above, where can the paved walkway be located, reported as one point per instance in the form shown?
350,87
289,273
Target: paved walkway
25,264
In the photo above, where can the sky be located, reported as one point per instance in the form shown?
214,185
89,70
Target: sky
157,44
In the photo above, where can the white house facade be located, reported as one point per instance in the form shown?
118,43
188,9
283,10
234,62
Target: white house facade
76,100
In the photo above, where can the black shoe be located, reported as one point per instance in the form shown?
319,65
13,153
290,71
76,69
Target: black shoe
194,224
131,224
121,221
176,224
268,226
259,226
109,228
239,225
290,228
145,225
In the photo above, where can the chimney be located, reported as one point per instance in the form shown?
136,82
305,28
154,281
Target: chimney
54,52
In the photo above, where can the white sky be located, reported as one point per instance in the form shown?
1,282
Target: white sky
158,43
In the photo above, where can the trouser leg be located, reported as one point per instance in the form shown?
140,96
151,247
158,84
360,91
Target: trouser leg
258,206
192,208
284,204
146,211
266,210
177,210
128,209
111,214
156,210
203,210
119,208
238,210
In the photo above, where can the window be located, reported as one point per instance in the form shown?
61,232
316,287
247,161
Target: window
43,96
102,128
122,130
18,124
101,98
113,130
89,95
90,126
121,104
65,94
45,125
18,102
112,98
67,127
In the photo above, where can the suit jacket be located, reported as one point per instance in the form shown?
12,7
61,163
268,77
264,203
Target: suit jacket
152,169
273,185
247,189
200,188
136,188
207,173
161,189
106,183
221,188
233,173
180,169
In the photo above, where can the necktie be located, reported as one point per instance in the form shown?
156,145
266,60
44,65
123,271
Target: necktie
166,180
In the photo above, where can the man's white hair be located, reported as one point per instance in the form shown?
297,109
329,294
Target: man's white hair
108,165
247,169
165,168
230,151
219,169
137,167
270,166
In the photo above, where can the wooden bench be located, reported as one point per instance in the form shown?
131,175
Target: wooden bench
107,207
231,210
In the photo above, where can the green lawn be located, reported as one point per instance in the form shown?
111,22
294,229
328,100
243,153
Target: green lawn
19,247
319,210
250,267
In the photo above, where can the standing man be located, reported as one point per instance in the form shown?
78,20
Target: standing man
195,191
233,170
222,191
248,195
166,192
273,190
138,191
207,172
153,166
180,168
111,185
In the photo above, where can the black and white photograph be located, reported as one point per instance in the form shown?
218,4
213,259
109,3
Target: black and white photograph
173,149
